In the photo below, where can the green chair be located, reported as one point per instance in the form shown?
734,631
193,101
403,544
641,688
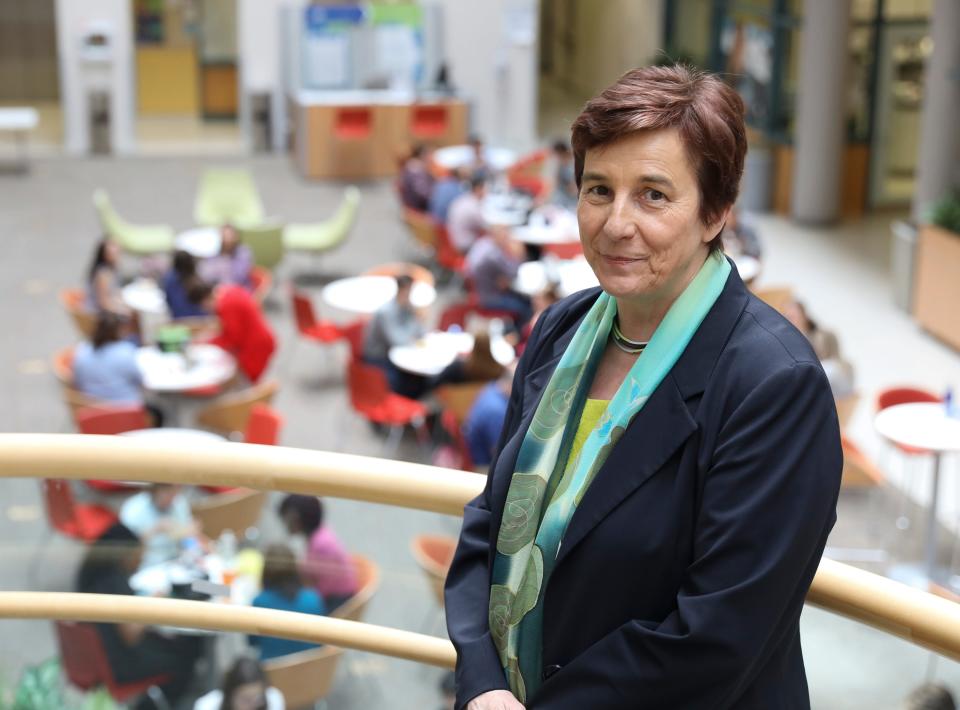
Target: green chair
324,236
266,243
138,239
228,197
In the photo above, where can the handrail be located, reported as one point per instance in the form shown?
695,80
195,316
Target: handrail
111,608
892,607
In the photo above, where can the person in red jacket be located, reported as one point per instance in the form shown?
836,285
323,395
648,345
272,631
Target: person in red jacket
244,332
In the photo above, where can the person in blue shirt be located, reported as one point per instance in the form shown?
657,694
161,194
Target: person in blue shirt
105,368
284,589
445,191
175,284
485,419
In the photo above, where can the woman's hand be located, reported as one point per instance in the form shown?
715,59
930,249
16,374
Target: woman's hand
495,700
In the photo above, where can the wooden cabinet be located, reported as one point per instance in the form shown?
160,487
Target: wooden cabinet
936,284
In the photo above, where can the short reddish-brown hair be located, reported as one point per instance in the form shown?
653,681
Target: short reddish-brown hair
707,113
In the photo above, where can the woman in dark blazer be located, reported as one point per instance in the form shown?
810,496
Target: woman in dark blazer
670,460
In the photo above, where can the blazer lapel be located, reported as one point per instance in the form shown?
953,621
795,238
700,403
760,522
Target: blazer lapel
654,435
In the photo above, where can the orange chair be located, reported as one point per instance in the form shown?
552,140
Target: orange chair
371,398
263,426
422,227
566,250
368,581
434,553
262,282
447,255
81,521
74,301
86,665
308,325
112,420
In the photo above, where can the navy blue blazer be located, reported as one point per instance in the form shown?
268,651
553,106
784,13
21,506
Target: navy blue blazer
683,572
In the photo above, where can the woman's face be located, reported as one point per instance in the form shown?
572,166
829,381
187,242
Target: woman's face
111,252
249,696
639,216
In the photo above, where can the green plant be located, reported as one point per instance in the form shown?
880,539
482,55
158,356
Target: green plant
40,688
946,213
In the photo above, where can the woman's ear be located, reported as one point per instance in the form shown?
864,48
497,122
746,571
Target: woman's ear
715,228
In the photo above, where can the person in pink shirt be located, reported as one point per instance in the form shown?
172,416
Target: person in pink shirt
328,563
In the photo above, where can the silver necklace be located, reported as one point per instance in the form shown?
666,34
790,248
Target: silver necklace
631,347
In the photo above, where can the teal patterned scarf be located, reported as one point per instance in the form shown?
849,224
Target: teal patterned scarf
546,487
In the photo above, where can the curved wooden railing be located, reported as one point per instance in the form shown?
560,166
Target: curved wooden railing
899,610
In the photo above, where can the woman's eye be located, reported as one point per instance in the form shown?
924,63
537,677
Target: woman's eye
599,190
656,195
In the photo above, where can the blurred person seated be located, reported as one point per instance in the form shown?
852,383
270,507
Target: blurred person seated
327,565
827,348
478,161
283,588
929,696
485,420
244,332
416,181
106,369
134,651
492,263
103,280
232,265
478,365
161,518
395,323
740,236
539,302
445,191
245,687
175,283
465,221
564,191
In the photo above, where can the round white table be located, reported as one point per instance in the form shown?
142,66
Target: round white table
366,294
570,275
926,426
747,266
202,365
457,156
144,296
507,210
430,355
202,242
549,225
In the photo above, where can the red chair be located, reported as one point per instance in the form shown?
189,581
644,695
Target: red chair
307,323
112,420
81,521
451,425
566,250
263,426
447,255
371,398
86,665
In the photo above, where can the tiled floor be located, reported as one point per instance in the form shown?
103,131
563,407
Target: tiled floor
48,226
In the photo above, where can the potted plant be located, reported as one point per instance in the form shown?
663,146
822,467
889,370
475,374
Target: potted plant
936,297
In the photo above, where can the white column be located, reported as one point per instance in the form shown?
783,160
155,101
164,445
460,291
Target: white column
819,135
939,152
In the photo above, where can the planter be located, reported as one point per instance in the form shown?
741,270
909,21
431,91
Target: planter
936,294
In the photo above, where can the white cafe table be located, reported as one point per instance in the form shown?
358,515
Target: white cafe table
570,276
19,121
146,298
174,436
202,242
366,294
430,355
202,365
506,210
548,225
926,426
458,156
747,266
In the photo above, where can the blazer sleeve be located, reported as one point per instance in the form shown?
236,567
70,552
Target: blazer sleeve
768,503
467,589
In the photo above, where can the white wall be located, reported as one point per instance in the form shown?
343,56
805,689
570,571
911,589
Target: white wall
77,77
495,71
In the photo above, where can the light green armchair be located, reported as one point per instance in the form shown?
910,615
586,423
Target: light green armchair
138,239
322,237
228,197
266,243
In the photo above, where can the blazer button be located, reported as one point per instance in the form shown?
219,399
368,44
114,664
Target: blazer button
549,671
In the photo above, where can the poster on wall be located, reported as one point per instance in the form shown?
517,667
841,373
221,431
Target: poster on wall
328,31
398,43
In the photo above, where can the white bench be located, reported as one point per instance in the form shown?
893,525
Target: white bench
19,121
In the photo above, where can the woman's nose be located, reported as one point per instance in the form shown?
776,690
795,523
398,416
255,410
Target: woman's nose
620,223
